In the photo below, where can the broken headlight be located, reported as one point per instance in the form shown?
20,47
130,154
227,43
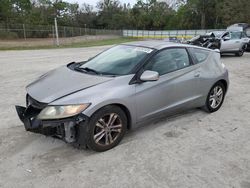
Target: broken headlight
58,112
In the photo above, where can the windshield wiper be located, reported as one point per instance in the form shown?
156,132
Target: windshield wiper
86,69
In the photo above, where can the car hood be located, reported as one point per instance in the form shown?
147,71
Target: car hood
61,82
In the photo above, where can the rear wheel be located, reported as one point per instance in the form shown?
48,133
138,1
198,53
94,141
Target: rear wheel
106,128
215,97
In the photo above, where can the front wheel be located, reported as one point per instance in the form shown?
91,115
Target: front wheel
215,97
106,128
240,53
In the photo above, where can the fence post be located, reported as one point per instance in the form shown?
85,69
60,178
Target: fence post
64,31
53,35
56,30
24,32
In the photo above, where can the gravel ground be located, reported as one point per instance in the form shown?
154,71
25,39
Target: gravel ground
194,149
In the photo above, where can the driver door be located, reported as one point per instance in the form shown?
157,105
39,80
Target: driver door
175,87
231,42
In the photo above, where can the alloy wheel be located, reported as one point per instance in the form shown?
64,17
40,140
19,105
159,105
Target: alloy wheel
216,97
107,129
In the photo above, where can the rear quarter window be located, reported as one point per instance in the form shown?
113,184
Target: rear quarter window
199,55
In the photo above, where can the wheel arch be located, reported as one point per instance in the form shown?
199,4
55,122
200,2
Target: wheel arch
224,82
124,109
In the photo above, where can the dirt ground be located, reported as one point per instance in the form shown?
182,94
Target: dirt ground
194,149
50,41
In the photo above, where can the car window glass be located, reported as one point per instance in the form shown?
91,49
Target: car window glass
248,32
244,35
119,60
235,35
169,60
199,54
225,35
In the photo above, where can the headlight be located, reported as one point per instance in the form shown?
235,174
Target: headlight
57,112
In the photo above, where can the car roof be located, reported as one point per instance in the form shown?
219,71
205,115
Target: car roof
159,44
156,44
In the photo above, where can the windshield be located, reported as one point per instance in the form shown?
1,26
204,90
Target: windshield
119,60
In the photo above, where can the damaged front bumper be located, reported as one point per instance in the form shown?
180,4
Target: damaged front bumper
71,130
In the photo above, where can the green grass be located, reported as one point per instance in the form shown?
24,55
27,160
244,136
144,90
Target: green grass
74,45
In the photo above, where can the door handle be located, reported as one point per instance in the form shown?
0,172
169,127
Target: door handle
197,74
237,42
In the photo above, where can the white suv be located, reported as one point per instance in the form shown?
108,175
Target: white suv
233,42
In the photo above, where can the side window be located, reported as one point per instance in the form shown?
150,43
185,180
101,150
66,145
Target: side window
227,34
244,35
200,55
248,32
235,35
169,60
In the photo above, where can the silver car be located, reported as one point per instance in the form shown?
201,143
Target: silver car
233,42
92,104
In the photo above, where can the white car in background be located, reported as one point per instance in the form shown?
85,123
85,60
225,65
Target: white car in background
232,42
226,41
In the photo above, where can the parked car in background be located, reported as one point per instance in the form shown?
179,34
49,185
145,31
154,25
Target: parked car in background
226,41
172,39
93,103
243,27
234,42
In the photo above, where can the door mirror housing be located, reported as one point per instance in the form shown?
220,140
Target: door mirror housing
149,76
226,38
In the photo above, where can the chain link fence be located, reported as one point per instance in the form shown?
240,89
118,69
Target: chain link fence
162,34
25,31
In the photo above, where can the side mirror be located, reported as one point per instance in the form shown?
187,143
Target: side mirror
149,76
226,38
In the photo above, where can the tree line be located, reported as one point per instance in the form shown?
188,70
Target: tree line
112,14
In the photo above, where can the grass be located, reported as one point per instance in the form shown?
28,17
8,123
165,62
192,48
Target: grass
74,45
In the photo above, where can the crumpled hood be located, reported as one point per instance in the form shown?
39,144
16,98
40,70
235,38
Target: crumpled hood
60,82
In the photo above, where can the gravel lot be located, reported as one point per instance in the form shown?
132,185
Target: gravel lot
194,149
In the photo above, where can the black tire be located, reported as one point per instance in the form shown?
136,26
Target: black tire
240,53
91,128
208,106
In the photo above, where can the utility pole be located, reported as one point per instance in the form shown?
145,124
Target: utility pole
24,32
56,29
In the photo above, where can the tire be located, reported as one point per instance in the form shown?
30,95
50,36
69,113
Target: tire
101,133
240,53
214,103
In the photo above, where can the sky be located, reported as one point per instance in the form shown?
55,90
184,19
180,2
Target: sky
93,2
